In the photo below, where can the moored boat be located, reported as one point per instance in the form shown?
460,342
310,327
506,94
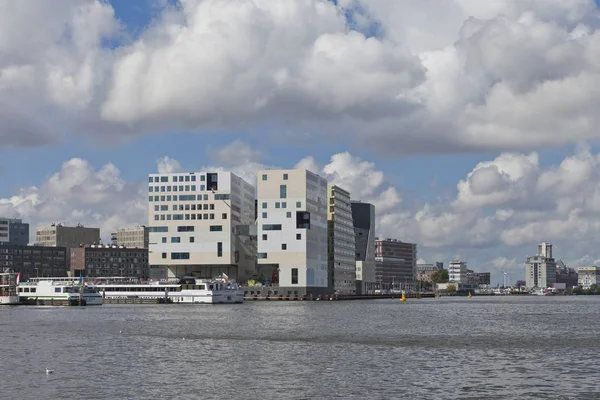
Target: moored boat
50,292
8,287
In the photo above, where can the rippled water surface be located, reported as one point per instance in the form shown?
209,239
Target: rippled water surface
453,348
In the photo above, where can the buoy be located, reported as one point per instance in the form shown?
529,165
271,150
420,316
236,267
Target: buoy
49,371
403,298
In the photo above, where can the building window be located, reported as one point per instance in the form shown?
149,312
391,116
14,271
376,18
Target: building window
156,179
224,216
298,204
264,177
277,204
219,249
288,214
212,206
212,216
216,228
202,188
156,217
264,236
180,256
150,198
272,227
174,179
205,197
164,255
294,276
285,177
187,187
261,255
164,179
164,239
175,198
187,178
181,179
191,239
193,178
156,208
283,204
193,188
282,191
150,180
298,236
175,239
283,246
150,189
202,178
264,215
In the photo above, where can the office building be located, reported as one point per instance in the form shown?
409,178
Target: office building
57,235
34,261
395,263
588,276
540,270
109,261
457,272
425,271
566,275
479,278
14,231
131,237
341,246
292,229
200,225
363,218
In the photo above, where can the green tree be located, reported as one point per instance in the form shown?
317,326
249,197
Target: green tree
451,288
440,276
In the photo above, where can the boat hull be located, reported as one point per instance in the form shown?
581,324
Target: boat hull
9,300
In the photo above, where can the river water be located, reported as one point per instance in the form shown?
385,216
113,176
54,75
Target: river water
450,348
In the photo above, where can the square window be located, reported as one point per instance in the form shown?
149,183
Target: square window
150,180
187,216
150,198
162,198
187,207
285,177
164,240
264,205
205,197
282,191
175,198
187,187
187,178
283,204
206,206
205,216
168,198
193,178
264,215
212,206
168,217
174,179
156,179
298,236
164,255
181,188
212,216
168,188
298,204
224,216
193,188
277,204
191,239
264,177
174,207
202,187
156,217
288,214
174,188
283,246
264,236
156,198
193,207
150,188
181,179
193,216
202,178
155,208
199,216
162,217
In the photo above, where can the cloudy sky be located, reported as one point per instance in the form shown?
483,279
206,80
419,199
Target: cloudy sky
471,125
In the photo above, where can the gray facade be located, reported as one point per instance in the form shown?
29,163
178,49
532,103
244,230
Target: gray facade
14,231
363,219
540,270
66,236
34,261
136,237
341,241
109,261
396,263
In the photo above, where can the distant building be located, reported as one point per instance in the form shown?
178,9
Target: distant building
426,271
566,275
481,278
363,218
34,261
395,263
57,235
341,242
457,272
540,270
292,229
14,231
131,237
588,276
109,261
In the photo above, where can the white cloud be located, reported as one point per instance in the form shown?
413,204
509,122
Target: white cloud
167,165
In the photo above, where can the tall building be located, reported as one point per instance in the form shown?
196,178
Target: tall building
457,272
57,235
395,263
14,231
424,272
566,275
196,225
588,276
342,247
131,237
540,270
363,218
34,261
109,261
292,229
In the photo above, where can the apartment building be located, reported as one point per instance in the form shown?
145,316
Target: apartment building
341,242
14,231
109,261
588,276
137,236
363,218
57,235
200,224
540,270
425,272
395,263
458,272
34,261
292,229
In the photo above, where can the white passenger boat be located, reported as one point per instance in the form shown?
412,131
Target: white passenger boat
49,291
8,287
188,290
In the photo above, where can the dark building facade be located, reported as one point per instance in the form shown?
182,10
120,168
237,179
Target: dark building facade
363,220
34,261
396,262
14,231
109,261
482,278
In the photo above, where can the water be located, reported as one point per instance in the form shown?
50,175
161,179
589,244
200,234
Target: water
479,348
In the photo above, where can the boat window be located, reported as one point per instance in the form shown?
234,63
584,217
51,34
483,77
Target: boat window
32,290
210,287
26,290
201,287
57,290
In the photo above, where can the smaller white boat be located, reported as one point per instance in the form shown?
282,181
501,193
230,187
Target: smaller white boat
50,292
8,287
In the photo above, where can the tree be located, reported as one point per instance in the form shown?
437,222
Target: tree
440,276
451,288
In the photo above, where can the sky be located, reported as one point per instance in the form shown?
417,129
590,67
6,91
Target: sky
472,126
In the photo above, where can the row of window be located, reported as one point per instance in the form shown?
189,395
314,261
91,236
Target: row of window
180,178
187,217
287,214
186,255
285,177
186,207
174,188
298,237
190,197
282,204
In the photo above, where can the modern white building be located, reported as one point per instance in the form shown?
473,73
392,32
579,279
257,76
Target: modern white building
134,237
540,270
588,276
457,272
14,231
342,246
292,229
199,225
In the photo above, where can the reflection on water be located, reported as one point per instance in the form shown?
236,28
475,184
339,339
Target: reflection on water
479,348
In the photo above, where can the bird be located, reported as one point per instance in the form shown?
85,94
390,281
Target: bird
120,331
49,371
183,338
